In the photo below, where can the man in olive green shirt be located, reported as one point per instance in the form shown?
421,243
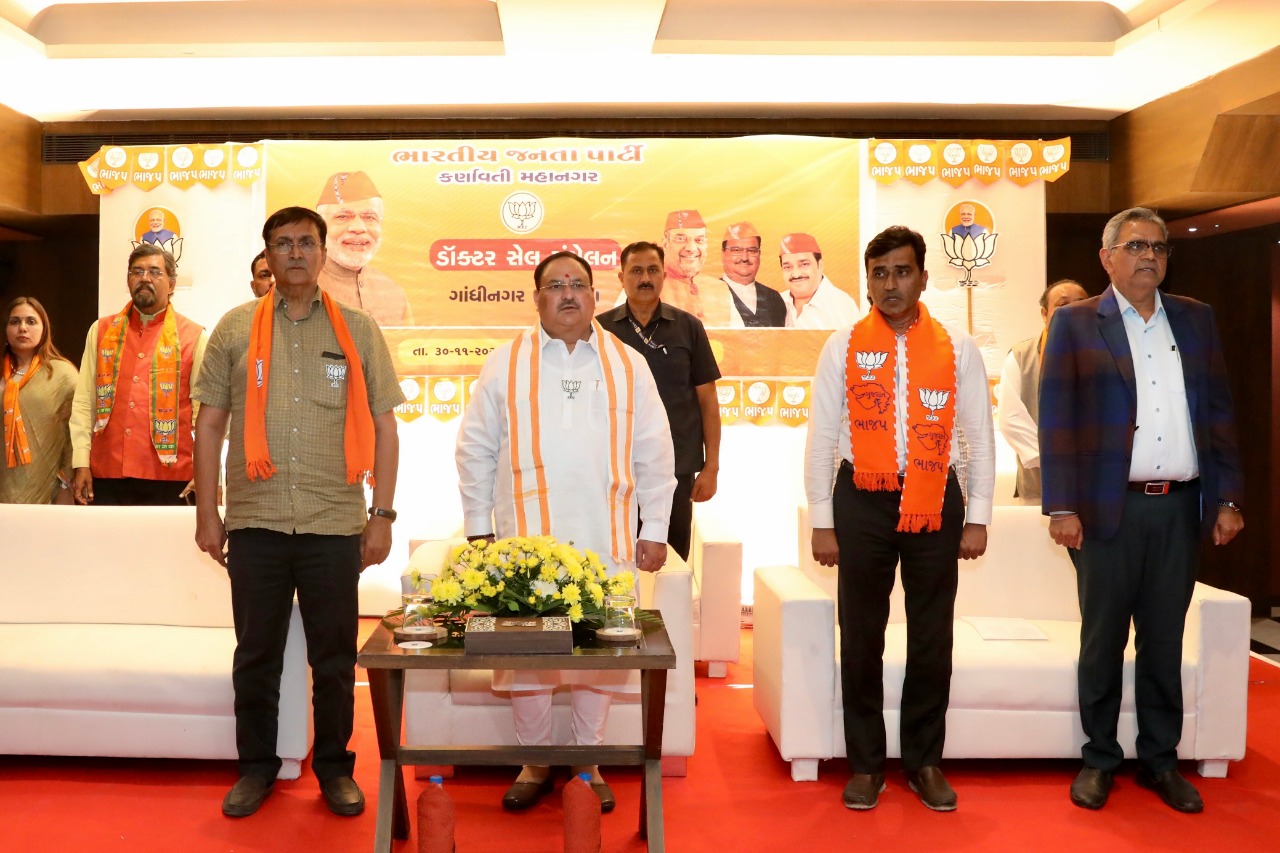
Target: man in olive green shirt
297,523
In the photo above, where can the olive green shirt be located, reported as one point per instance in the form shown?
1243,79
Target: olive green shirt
306,411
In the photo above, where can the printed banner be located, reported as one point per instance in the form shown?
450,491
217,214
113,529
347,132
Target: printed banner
729,394
988,160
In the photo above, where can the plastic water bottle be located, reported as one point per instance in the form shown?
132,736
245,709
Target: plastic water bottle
436,818
581,816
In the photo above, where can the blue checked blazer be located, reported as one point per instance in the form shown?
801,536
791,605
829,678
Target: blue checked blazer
1088,409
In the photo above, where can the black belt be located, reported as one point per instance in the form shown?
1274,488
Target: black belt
1163,487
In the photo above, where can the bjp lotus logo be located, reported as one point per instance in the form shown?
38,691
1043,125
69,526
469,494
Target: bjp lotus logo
969,252
933,400
522,212
870,361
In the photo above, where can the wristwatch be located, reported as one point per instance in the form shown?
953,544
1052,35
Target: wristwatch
1232,505
388,514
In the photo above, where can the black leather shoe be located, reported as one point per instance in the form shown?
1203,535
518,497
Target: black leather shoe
933,789
863,791
1091,787
1177,793
605,793
246,796
342,795
524,795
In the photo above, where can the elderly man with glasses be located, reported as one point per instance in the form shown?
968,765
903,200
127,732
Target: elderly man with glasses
1138,463
132,416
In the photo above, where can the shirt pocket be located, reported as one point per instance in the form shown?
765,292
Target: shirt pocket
329,389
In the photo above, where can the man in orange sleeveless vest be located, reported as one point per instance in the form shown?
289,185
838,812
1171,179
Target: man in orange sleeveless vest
132,416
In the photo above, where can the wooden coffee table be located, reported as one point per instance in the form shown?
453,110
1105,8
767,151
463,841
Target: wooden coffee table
387,662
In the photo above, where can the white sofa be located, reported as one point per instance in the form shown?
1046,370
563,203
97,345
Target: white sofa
715,557
116,640
461,707
1009,698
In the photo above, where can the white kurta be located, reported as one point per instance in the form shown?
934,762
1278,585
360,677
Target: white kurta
830,308
575,452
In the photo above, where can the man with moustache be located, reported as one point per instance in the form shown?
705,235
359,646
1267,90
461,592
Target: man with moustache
812,300
675,345
132,415
1018,394
684,243
353,211
888,397
566,435
263,280
755,305
158,233
1139,463
307,386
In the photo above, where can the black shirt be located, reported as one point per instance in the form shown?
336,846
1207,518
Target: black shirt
680,359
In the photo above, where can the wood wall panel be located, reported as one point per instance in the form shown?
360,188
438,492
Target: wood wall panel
20,149
63,192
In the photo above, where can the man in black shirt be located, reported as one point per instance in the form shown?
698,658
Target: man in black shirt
675,345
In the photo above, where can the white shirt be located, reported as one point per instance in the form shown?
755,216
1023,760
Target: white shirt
830,308
1163,448
575,449
829,426
1012,418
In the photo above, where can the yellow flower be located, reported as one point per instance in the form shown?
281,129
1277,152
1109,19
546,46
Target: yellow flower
575,613
533,599
447,590
571,594
488,589
455,553
510,573
472,601
473,578
547,573
501,586
597,593
622,583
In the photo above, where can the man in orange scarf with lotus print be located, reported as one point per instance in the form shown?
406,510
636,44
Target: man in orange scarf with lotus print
888,397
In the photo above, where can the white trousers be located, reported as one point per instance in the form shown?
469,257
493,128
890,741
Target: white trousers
532,711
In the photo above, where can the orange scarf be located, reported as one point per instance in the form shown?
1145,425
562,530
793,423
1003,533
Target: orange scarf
871,366
17,451
357,435
165,380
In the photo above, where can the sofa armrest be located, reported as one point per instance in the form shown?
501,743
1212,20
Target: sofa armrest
1218,632
670,591
295,730
795,664
716,561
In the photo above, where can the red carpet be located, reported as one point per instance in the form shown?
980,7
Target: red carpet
738,797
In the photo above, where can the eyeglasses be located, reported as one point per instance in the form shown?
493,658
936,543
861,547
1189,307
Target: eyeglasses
739,251
557,287
148,272
1138,248
306,245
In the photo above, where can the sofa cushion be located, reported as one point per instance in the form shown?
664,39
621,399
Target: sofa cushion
143,668
1037,675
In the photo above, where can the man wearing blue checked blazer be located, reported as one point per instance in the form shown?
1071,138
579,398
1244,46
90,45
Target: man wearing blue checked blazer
1139,460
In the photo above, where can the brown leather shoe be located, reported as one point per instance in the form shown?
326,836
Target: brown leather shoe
247,796
1091,787
605,793
1177,793
525,795
863,791
343,796
933,788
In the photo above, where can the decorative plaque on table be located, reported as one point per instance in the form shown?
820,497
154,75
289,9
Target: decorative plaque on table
518,635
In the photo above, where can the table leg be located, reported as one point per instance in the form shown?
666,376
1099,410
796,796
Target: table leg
386,689
653,702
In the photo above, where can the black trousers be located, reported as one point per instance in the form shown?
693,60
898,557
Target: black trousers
1146,573
870,551
132,491
266,569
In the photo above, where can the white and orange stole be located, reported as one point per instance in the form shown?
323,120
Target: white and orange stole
871,368
528,473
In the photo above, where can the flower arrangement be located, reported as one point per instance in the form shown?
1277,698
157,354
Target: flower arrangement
522,576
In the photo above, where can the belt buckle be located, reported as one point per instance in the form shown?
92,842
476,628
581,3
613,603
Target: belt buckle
1156,488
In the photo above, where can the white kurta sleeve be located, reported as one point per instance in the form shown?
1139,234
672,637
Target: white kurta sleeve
480,439
827,412
1014,421
653,455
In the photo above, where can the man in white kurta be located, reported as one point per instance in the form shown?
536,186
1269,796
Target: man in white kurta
574,422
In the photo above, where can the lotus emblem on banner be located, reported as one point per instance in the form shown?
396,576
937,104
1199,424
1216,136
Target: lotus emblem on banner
933,400
969,252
